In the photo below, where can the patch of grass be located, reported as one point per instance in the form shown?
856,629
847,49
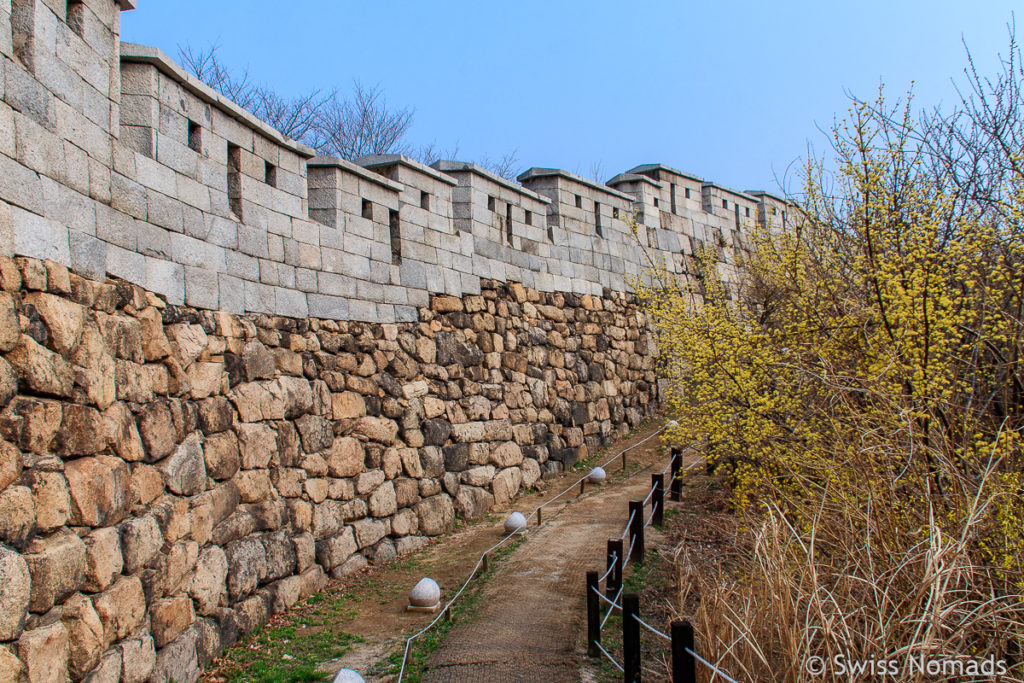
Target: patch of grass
423,648
289,653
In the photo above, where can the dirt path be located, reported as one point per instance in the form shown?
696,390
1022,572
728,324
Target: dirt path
531,611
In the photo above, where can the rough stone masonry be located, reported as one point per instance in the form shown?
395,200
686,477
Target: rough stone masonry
170,476
230,369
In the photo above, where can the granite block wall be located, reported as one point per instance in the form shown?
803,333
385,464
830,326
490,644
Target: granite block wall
114,161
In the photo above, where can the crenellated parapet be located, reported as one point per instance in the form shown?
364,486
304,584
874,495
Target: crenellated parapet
117,162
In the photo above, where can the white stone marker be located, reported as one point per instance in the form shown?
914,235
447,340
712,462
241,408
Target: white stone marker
515,523
425,596
597,475
348,676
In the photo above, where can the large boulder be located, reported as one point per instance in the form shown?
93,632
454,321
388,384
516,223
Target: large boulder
184,471
15,591
472,502
345,458
45,652
17,516
506,485
121,608
507,454
257,444
247,565
379,429
85,633
103,561
169,617
208,586
99,488
436,515
42,370
57,565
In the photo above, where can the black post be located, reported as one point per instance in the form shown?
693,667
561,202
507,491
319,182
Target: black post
676,487
684,666
614,580
636,531
630,638
593,615
658,499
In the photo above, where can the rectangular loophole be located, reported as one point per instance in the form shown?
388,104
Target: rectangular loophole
23,28
686,193
579,202
396,236
725,204
615,212
747,212
736,210
597,219
270,174
425,200
490,203
673,197
657,203
508,224
528,218
235,180
368,209
195,137
76,16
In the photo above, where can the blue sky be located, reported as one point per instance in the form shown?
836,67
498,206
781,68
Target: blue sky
732,91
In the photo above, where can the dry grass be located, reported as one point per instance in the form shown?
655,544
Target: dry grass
850,588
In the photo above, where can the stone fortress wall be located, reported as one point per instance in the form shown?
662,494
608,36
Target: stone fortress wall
113,161
230,369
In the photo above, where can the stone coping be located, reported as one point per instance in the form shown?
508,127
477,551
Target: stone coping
378,160
731,191
355,169
765,193
536,172
133,53
450,166
633,178
643,168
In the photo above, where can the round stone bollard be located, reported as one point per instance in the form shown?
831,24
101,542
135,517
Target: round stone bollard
597,476
516,522
348,676
425,596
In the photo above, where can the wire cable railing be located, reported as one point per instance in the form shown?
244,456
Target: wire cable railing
711,666
615,602
684,656
651,628
610,658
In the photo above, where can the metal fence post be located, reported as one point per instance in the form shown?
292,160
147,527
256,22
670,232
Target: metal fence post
658,499
614,580
684,666
636,530
630,638
593,615
676,487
